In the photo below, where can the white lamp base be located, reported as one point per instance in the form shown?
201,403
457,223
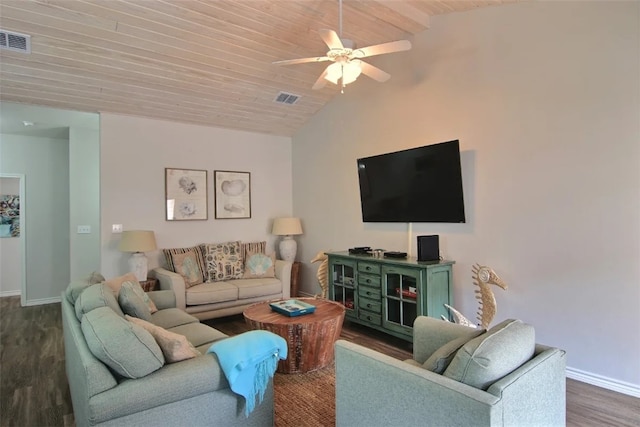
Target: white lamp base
138,266
288,249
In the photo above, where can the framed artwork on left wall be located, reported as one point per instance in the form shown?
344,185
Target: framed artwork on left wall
185,194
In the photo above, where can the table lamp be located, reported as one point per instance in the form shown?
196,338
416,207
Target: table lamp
287,227
138,242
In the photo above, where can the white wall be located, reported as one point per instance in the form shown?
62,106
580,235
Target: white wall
45,164
134,155
544,97
84,200
10,249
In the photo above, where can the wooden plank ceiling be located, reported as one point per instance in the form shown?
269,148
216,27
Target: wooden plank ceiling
205,62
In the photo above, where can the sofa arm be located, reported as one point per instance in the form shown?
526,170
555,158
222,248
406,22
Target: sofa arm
541,383
429,334
374,389
283,272
171,383
170,281
163,299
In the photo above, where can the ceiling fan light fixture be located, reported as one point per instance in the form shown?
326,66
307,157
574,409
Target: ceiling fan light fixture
334,72
348,72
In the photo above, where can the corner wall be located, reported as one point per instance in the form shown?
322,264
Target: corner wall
545,99
134,155
45,164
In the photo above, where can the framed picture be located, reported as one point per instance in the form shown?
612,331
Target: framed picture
233,194
185,194
9,216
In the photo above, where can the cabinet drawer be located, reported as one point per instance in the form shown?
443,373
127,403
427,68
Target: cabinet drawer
369,280
367,292
374,319
368,267
370,305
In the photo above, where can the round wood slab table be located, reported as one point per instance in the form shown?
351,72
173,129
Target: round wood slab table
309,337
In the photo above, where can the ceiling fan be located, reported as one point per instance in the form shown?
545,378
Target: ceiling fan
347,65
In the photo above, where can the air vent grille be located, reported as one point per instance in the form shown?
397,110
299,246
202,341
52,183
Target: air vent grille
15,41
286,98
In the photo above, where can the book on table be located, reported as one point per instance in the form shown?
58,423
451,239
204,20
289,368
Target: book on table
292,307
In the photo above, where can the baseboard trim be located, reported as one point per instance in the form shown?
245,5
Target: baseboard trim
42,301
604,382
9,294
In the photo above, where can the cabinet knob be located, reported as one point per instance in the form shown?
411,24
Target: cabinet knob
368,268
368,305
368,280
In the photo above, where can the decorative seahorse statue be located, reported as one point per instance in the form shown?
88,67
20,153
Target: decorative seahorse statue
323,272
483,276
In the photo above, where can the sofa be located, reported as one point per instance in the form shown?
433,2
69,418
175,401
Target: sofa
215,280
458,376
108,373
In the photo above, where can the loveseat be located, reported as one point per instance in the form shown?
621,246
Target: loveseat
216,280
189,392
458,377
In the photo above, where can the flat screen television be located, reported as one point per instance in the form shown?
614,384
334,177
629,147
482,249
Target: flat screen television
421,184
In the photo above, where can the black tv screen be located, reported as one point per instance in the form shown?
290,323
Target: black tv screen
421,184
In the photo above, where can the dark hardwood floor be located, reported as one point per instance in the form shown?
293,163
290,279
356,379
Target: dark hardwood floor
34,390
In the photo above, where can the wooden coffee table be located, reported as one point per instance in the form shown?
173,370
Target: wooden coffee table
310,337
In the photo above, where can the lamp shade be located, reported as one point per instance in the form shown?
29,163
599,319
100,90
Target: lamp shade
137,241
286,227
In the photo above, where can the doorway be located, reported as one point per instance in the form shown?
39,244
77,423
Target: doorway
13,274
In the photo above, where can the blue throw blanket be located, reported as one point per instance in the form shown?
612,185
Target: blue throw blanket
249,361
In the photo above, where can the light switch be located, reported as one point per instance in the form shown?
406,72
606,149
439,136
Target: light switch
84,229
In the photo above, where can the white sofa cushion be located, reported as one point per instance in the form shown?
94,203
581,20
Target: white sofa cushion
251,288
209,293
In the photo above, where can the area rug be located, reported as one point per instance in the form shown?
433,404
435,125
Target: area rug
305,399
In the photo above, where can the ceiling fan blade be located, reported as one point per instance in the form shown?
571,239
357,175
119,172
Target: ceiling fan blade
301,60
379,49
331,38
374,72
321,82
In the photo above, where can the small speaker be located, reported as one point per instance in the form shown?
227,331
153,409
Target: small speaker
429,248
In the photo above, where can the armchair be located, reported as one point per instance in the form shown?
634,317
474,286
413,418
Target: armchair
374,389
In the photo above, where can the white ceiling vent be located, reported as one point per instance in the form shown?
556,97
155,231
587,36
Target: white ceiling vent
15,41
286,98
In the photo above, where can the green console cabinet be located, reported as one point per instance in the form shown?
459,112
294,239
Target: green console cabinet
387,294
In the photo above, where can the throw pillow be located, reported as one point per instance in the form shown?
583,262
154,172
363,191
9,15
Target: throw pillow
259,265
223,261
96,277
441,358
95,296
135,302
199,258
75,288
187,265
255,247
116,283
491,356
175,347
126,348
